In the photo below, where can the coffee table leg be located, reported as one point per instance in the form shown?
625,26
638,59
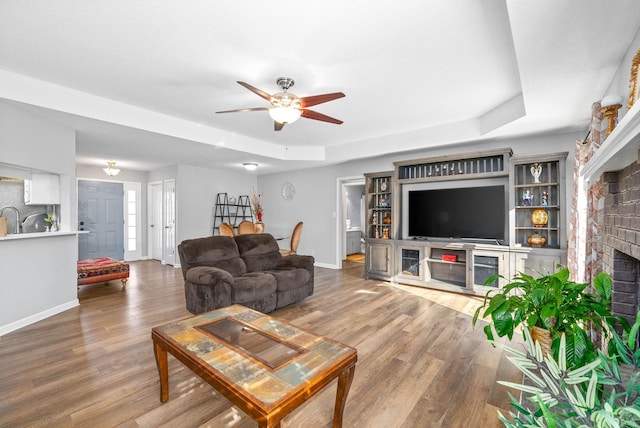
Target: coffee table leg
163,370
344,383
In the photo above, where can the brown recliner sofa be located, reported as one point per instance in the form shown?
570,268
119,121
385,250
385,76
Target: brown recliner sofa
247,269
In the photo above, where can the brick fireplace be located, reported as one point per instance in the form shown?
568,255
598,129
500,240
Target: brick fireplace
621,238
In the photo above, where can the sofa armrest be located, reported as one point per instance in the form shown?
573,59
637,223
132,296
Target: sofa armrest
207,275
297,261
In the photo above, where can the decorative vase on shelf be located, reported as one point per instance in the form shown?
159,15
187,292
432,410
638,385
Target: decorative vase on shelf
539,217
537,240
259,227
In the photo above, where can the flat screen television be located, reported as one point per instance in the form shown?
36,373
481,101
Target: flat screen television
459,213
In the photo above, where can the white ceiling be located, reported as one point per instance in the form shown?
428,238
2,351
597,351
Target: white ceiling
141,80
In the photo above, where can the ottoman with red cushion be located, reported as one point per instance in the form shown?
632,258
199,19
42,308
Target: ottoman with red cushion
102,269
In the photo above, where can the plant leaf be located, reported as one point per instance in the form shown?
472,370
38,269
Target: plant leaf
521,387
591,390
581,371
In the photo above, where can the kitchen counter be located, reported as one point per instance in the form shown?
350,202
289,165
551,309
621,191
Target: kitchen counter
17,236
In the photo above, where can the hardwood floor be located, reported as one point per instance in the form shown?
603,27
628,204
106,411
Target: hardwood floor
420,363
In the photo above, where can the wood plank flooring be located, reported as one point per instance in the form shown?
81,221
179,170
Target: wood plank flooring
420,363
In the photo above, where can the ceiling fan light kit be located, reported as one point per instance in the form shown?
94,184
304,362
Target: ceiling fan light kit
286,107
284,115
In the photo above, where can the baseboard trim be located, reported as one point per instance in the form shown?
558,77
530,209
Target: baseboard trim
8,328
326,265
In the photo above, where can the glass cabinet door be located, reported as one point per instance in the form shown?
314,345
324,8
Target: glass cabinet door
485,265
411,262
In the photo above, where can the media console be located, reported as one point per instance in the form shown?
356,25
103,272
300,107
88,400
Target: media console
463,264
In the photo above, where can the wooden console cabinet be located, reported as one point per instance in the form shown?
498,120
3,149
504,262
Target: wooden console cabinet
458,267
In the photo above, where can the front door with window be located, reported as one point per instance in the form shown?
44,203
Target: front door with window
100,212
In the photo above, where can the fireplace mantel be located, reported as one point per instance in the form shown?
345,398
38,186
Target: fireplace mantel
619,149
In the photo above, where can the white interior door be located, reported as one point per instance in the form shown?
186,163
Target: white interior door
170,222
154,208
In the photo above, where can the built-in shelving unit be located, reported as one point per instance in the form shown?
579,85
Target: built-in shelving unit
379,224
540,196
379,204
534,184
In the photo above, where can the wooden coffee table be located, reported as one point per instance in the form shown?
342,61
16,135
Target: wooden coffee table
264,366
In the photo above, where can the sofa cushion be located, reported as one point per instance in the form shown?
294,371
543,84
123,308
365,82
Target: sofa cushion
290,278
208,275
215,251
253,286
259,251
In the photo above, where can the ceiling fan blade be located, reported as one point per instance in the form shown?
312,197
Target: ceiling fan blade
277,126
244,109
310,114
255,90
319,99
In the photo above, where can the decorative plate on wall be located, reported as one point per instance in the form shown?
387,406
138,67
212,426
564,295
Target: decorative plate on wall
288,191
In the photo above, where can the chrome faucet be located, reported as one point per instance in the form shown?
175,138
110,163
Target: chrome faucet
17,216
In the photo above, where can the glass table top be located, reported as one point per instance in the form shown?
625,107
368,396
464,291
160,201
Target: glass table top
268,350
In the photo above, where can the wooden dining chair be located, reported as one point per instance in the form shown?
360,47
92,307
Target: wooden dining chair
246,227
226,229
295,240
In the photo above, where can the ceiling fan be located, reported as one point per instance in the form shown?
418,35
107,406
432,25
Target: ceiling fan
286,107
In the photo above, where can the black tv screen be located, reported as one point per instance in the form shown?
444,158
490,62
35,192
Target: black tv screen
468,212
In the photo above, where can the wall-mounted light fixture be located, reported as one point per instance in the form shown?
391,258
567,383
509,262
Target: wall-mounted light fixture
111,169
249,166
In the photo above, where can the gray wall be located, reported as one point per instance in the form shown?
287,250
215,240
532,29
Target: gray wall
316,198
39,276
197,189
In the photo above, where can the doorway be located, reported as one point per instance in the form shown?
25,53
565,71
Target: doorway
100,212
350,218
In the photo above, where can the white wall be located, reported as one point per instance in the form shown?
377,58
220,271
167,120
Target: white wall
315,201
620,83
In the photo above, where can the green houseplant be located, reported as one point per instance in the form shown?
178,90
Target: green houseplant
552,302
604,392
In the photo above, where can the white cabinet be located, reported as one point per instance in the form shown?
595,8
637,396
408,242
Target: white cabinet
42,189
